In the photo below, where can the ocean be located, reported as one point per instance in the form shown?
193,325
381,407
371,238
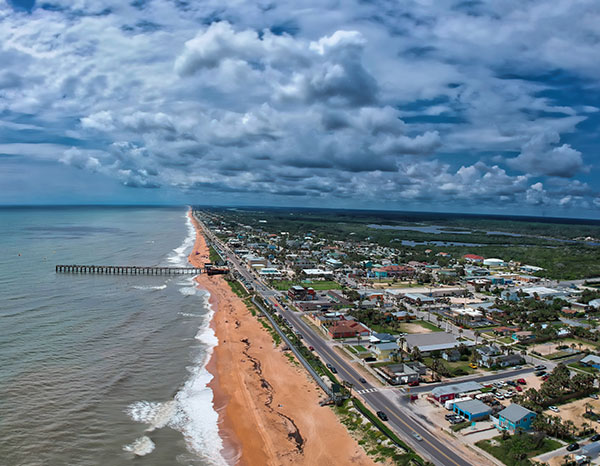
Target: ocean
102,369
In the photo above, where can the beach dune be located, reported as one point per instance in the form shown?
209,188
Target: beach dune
269,411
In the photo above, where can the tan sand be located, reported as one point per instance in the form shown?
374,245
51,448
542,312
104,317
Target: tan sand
574,411
414,328
271,411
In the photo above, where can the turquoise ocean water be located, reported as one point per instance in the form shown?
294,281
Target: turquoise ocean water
100,369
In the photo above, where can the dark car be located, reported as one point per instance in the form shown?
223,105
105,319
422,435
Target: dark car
414,383
539,373
333,370
381,415
329,366
573,447
512,383
362,380
595,438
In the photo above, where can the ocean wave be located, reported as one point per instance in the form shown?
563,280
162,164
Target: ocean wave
141,446
148,288
192,410
179,256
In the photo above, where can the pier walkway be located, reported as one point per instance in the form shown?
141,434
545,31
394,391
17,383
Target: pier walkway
128,270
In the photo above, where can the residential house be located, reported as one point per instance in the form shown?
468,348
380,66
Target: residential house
384,350
347,329
524,336
474,258
451,355
433,342
515,417
591,361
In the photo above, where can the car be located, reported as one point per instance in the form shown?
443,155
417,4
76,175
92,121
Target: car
414,383
449,416
512,383
509,395
381,415
554,409
545,377
518,388
522,381
540,367
362,380
417,437
328,366
312,348
573,447
594,396
473,366
539,373
595,438
300,336
499,396
333,370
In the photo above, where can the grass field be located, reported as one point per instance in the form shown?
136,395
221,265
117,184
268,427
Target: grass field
283,285
509,451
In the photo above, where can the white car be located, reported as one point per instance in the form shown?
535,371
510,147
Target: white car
554,409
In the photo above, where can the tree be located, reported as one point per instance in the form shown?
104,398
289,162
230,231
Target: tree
477,334
416,353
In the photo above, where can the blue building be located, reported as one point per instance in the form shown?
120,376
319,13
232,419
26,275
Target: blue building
472,410
515,417
591,361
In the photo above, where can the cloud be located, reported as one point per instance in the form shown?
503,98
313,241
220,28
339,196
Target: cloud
440,104
542,155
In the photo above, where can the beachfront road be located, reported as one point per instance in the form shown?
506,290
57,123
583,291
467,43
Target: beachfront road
430,447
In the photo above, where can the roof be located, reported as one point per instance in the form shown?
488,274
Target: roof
424,339
514,413
473,257
591,449
463,387
444,346
347,326
386,346
591,359
473,407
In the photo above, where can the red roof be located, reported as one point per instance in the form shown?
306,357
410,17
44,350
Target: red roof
474,257
344,326
396,268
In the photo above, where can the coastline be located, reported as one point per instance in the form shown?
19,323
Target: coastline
268,408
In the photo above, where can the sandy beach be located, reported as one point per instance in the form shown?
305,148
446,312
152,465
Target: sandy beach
269,411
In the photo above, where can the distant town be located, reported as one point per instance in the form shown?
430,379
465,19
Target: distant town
485,348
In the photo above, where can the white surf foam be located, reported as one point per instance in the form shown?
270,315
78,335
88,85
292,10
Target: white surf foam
192,410
179,256
148,288
141,446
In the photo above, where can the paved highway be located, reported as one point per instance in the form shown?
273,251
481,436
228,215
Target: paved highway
430,447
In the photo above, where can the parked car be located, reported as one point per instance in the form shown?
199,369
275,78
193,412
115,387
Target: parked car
573,447
312,348
518,388
594,396
522,381
333,370
362,380
512,383
545,377
540,367
328,365
381,415
595,438
554,409
472,366
539,373
414,383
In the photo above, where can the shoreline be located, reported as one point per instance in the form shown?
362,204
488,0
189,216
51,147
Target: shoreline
268,407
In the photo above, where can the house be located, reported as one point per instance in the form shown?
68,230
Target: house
333,263
515,417
394,271
506,330
591,361
590,451
473,258
523,336
451,355
488,354
472,410
338,298
449,392
381,338
404,372
317,273
347,329
384,350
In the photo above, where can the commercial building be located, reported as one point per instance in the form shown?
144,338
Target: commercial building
472,410
449,392
347,329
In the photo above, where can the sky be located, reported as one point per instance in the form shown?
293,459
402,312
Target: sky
431,105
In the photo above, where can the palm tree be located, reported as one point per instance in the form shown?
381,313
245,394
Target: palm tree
477,333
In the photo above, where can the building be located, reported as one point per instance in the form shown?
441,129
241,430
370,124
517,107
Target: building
515,417
333,263
491,356
472,410
300,293
270,272
347,329
591,361
384,350
317,273
434,341
404,372
590,451
418,298
451,355
473,258
394,271
449,392
524,336
493,262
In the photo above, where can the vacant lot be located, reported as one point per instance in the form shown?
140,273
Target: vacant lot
418,326
284,285
574,411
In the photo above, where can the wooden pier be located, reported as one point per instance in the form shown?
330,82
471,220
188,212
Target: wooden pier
128,270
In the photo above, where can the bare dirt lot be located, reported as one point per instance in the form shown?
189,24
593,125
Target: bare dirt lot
574,411
552,346
414,328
